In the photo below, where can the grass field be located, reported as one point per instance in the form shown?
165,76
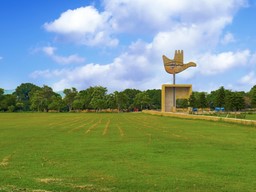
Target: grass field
251,116
124,152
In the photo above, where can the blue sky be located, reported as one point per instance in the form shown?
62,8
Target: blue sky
119,43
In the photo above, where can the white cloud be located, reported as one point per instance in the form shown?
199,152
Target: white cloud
71,59
133,68
84,25
253,59
49,73
138,68
81,20
249,79
194,26
147,15
210,64
228,38
49,50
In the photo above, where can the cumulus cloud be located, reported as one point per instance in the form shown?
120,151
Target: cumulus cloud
81,20
249,79
124,72
139,68
218,63
196,27
150,15
71,59
85,25
88,26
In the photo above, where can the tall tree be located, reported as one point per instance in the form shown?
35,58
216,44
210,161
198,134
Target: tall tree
70,95
47,94
24,93
155,96
220,97
193,101
1,96
36,101
131,93
85,97
111,101
56,103
8,103
42,98
142,101
235,101
98,100
202,100
122,100
182,103
1,92
253,96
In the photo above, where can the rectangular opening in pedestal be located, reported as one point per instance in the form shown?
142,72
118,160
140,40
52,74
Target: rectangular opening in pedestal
183,91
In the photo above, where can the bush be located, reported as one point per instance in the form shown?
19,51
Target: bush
11,108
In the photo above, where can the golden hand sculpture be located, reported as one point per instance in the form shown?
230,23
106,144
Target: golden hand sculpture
176,65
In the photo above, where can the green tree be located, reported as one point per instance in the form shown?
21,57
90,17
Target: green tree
98,100
77,104
202,100
220,97
252,94
1,97
111,101
56,103
24,93
47,94
142,101
193,101
42,98
36,101
122,100
155,96
1,92
211,98
131,93
19,106
182,103
8,103
235,101
85,96
70,95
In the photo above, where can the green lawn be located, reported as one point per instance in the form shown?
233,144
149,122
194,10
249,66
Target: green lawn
251,116
42,152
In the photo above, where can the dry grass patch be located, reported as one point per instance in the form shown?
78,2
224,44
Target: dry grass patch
13,188
93,126
49,180
120,130
6,160
81,126
88,187
106,127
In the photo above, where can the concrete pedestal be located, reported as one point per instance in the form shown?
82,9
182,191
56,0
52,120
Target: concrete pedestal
183,91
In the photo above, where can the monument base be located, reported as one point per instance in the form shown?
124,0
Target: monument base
182,91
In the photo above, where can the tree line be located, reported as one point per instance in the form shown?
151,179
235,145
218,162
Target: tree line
221,98
30,97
